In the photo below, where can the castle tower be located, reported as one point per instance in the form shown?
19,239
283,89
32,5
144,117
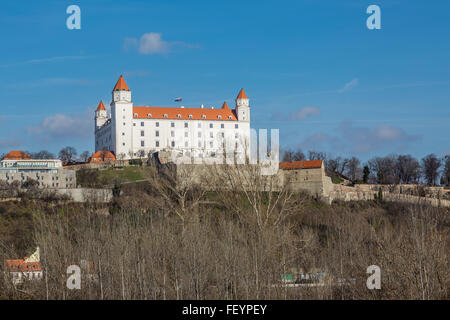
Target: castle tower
242,107
100,115
122,119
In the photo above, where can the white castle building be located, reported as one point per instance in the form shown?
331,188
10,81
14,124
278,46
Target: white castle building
130,131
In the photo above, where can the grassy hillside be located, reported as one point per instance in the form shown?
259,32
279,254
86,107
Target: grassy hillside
108,177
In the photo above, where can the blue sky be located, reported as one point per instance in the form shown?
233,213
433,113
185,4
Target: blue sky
311,69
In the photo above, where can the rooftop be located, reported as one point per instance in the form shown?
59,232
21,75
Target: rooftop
294,165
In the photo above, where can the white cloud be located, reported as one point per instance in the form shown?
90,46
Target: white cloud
64,126
301,114
348,138
349,85
52,59
305,113
50,82
152,43
9,143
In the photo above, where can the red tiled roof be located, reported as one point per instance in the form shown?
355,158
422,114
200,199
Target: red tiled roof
242,95
300,165
16,265
196,113
121,84
101,106
102,156
16,155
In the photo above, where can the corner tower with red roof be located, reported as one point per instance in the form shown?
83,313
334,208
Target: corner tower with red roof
100,115
242,107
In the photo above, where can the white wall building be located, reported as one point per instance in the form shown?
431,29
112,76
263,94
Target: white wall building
49,173
193,132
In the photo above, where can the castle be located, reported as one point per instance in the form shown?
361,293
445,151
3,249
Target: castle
130,131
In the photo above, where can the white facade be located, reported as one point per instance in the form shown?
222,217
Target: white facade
49,173
130,131
30,165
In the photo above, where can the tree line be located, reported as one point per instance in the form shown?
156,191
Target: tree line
391,169
66,154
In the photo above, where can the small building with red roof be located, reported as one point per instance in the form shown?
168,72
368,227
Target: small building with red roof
28,268
306,175
16,155
102,156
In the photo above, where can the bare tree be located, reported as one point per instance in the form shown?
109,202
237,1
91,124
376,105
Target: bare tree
67,154
141,153
315,155
383,169
430,168
407,169
43,154
353,170
85,155
291,155
445,179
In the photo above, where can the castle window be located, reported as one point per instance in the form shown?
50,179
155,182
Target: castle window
203,117
172,134
199,125
199,134
165,115
186,125
172,143
199,144
236,135
123,133
149,115
186,144
179,115
157,133
142,123
211,144
142,143
135,115
157,143
157,124
142,133
134,124
186,134
190,116
219,117
211,135
236,126
223,135
172,124
222,125
210,125
230,117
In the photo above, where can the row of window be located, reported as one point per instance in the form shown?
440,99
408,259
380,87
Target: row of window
149,115
186,134
186,125
186,144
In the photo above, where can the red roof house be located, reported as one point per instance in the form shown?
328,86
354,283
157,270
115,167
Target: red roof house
102,157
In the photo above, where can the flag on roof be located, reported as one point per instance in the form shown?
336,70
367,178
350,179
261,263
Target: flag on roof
178,99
